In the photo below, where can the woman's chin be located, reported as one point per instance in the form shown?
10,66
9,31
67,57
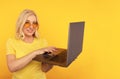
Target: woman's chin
29,34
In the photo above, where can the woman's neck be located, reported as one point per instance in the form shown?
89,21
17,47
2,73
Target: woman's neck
28,39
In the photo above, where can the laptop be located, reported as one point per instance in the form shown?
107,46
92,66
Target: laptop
65,57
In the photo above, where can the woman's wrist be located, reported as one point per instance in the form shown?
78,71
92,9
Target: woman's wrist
38,52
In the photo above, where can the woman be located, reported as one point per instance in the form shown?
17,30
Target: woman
25,46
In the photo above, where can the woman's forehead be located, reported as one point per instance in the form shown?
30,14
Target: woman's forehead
32,18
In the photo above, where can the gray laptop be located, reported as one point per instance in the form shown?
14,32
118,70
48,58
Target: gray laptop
65,57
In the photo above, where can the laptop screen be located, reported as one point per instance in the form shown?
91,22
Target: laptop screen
75,40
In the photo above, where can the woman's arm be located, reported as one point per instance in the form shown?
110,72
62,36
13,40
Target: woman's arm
15,64
46,67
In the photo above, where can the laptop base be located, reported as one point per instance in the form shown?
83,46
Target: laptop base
60,59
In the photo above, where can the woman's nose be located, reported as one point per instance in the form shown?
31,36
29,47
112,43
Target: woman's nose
31,26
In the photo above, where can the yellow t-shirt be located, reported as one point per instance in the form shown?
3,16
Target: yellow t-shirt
20,49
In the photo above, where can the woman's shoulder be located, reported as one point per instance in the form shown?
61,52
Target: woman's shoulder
12,39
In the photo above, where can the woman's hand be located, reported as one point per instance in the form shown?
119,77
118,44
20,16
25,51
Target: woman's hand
46,49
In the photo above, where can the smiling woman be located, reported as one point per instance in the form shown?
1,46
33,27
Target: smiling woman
24,47
30,26
27,22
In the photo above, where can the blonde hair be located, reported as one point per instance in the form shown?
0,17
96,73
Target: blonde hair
20,23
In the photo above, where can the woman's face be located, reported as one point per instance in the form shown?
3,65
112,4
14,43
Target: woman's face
30,26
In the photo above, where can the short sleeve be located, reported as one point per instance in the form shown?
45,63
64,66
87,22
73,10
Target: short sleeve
10,47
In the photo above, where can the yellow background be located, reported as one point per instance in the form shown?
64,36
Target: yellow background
100,58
